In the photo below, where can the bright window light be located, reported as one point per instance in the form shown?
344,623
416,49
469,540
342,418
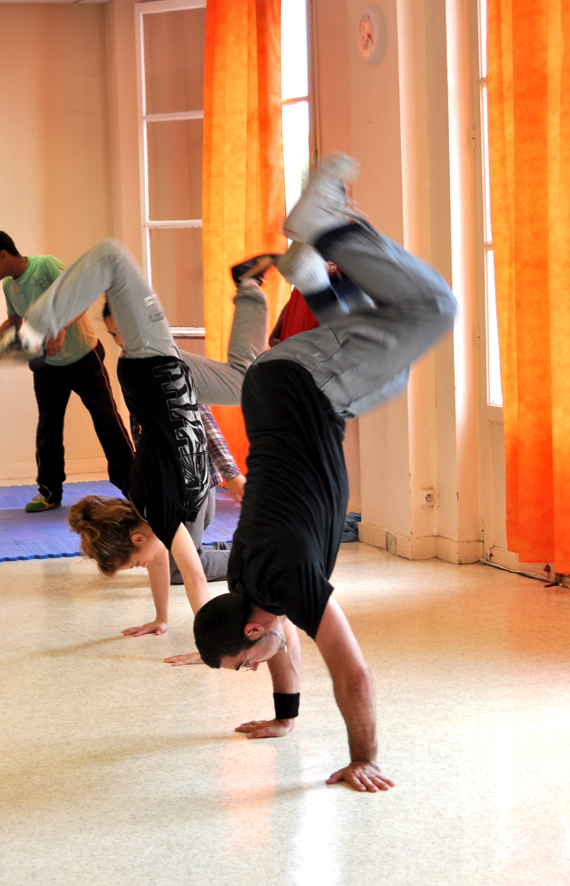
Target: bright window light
294,63
295,150
494,391
295,97
488,234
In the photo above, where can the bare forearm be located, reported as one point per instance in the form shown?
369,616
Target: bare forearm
355,697
285,667
159,576
160,599
191,570
352,682
354,693
196,588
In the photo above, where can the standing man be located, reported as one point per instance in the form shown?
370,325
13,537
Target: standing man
295,400
74,362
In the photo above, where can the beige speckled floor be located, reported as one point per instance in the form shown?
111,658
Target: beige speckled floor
116,769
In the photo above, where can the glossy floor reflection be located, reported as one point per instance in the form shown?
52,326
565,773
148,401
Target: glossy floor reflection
117,769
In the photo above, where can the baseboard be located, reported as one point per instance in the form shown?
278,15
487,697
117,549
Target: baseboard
421,548
25,472
458,551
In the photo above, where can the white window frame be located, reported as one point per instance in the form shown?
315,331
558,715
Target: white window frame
493,375
148,224
309,96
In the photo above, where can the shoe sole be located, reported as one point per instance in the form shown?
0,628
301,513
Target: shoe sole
339,165
254,267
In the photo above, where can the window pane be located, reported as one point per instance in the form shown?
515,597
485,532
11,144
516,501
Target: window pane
482,39
495,393
294,65
295,150
175,170
174,60
485,158
176,271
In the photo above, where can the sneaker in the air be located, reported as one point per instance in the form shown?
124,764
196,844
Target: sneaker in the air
32,340
14,347
322,206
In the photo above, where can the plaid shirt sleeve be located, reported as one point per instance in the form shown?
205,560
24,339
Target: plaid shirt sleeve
220,460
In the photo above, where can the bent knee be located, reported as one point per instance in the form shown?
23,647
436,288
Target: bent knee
109,248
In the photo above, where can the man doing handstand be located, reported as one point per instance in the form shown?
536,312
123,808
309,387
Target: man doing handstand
295,400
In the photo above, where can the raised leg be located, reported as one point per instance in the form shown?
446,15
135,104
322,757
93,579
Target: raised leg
137,311
363,359
220,383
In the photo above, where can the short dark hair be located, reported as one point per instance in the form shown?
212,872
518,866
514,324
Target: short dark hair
7,244
219,628
106,309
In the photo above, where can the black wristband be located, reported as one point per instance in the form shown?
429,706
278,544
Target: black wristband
286,705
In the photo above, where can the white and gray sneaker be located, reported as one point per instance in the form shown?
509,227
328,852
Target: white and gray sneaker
19,344
32,340
323,205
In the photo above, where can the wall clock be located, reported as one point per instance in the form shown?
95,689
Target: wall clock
370,34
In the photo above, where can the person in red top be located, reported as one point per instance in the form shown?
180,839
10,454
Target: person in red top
297,316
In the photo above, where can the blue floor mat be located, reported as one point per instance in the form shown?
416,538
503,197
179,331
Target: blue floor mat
26,536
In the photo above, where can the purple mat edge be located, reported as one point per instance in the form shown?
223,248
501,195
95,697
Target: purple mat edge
82,487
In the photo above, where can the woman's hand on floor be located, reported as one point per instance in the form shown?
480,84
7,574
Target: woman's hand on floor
152,627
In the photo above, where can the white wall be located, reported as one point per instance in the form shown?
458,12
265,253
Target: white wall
415,186
123,124
55,193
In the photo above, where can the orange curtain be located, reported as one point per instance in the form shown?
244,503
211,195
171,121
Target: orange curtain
528,54
243,182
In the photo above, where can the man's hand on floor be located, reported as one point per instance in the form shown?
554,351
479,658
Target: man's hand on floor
190,658
362,777
266,728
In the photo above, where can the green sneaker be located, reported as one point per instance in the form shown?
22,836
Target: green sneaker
39,503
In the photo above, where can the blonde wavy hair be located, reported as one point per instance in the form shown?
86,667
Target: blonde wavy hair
105,526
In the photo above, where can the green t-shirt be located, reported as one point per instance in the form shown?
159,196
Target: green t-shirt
23,291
